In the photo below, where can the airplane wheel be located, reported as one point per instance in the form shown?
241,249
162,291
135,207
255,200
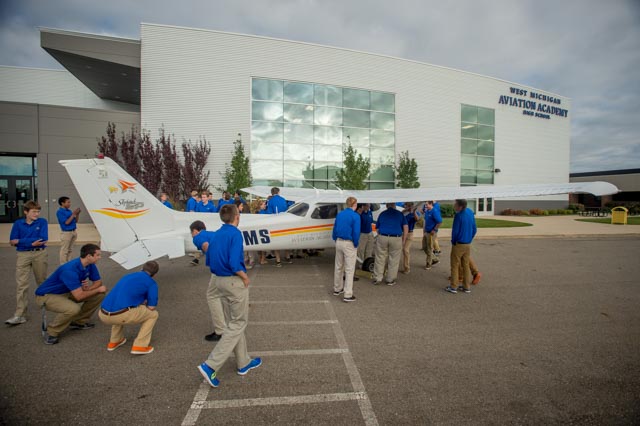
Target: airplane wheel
368,264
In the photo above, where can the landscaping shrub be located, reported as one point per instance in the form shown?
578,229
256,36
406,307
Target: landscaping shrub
536,212
552,211
446,210
521,213
575,207
507,212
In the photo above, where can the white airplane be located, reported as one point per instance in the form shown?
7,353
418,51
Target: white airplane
136,227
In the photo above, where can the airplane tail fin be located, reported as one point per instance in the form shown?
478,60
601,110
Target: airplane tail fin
122,209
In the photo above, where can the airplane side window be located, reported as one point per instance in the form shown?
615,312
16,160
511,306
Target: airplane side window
299,209
329,211
374,207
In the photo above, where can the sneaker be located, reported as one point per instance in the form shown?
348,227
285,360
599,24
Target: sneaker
254,363
209,375
249,267
391,283
338,293
437,252
450,289
15,321
278,264
405,271
374,282
50,340
141,350
194,262
349,299
84,326
270,257
427,268
287,260
460,288
113,346
434,262
355,278
476,278
213,337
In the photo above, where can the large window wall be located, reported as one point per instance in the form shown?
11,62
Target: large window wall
299,131
478,145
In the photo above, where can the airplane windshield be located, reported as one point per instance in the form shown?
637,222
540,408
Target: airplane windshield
329,211
299,209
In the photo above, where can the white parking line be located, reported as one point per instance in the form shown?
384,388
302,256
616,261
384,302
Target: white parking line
285,400
300,352
294,322
287,302
196,406
287,286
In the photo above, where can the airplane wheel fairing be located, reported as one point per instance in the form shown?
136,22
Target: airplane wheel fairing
367,265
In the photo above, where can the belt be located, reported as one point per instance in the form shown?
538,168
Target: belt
345,239
73,230
389,235
121,311
34,249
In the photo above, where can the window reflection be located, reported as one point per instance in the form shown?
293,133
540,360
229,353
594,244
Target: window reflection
298,93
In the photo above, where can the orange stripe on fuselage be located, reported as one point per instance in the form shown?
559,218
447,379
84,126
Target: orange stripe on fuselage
301,230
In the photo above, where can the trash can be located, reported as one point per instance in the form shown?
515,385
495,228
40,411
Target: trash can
619,215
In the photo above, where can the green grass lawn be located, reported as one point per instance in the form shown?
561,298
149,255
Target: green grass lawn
635,220
447,222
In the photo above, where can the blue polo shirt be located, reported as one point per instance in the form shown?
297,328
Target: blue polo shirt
431,219
68,277
206,208
347,226
191,204
225,253
27,234
64,214
168,204
411,219
222,202
366,220
277,204
464,227
391,222
201,238
131,291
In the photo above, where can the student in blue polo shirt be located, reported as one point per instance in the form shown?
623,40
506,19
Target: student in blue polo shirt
226,199
412,216
68,292
133,300
205,205
346,234
392,232
192,202
432,222
67,220
277,204
227,264
365,246
29,236
164,198
462,233
201,239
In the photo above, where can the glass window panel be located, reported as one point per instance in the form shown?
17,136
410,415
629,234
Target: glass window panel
267,182
469,114
485,163
298,152
266,132
486,133
383,101
354,98
332,169
328,95
357,137
382,172
267,169
381,185
382,156
485,177
301,114
382,138
302,208
266,90
486,116
296,169
490,204
468,161
324,135
320,171
320,184
364,151
469,146
266,111
16,166
327,116
298,133
266,151
327,152
480,204
485,148
469,131
380,120
355,118
301,93
467,176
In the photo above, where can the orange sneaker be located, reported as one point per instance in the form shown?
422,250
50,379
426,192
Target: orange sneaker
113,346
141,350
476,278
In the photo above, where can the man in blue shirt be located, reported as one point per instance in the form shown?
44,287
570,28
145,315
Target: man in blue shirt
29,236
205,205
346,234
392,232
133,300
192,202
365,246
436,244
462,234
201,239
432,222
277,204
412,217
226,199
164,198
227,264
68,292
67,220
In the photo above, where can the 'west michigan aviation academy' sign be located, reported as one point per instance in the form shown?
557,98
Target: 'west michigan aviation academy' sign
534,108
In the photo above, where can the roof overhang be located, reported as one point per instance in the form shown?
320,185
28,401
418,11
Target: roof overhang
108,66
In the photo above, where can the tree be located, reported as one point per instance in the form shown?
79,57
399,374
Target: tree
407,171
171,167
150,158
109,145
128,146
237,174
195,157
355,171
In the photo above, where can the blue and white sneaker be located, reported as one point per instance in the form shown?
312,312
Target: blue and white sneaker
254,363
209,374
451,289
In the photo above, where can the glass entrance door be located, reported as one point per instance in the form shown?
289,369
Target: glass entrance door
14,192
484,206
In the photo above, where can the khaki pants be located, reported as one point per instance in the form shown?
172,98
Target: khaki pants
345,266
215,306
460,255
68,310
67,238
138,315
387,248
406,253
436,244
235,301
27,261
428,241
473,268
365,246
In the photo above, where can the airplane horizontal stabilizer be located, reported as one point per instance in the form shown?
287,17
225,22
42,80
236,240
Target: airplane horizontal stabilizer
143,251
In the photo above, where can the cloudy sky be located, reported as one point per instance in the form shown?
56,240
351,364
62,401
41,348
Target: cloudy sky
588,50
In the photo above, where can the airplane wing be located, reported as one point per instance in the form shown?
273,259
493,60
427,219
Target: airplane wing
419,194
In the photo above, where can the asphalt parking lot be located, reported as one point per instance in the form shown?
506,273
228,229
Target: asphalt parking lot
550,336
